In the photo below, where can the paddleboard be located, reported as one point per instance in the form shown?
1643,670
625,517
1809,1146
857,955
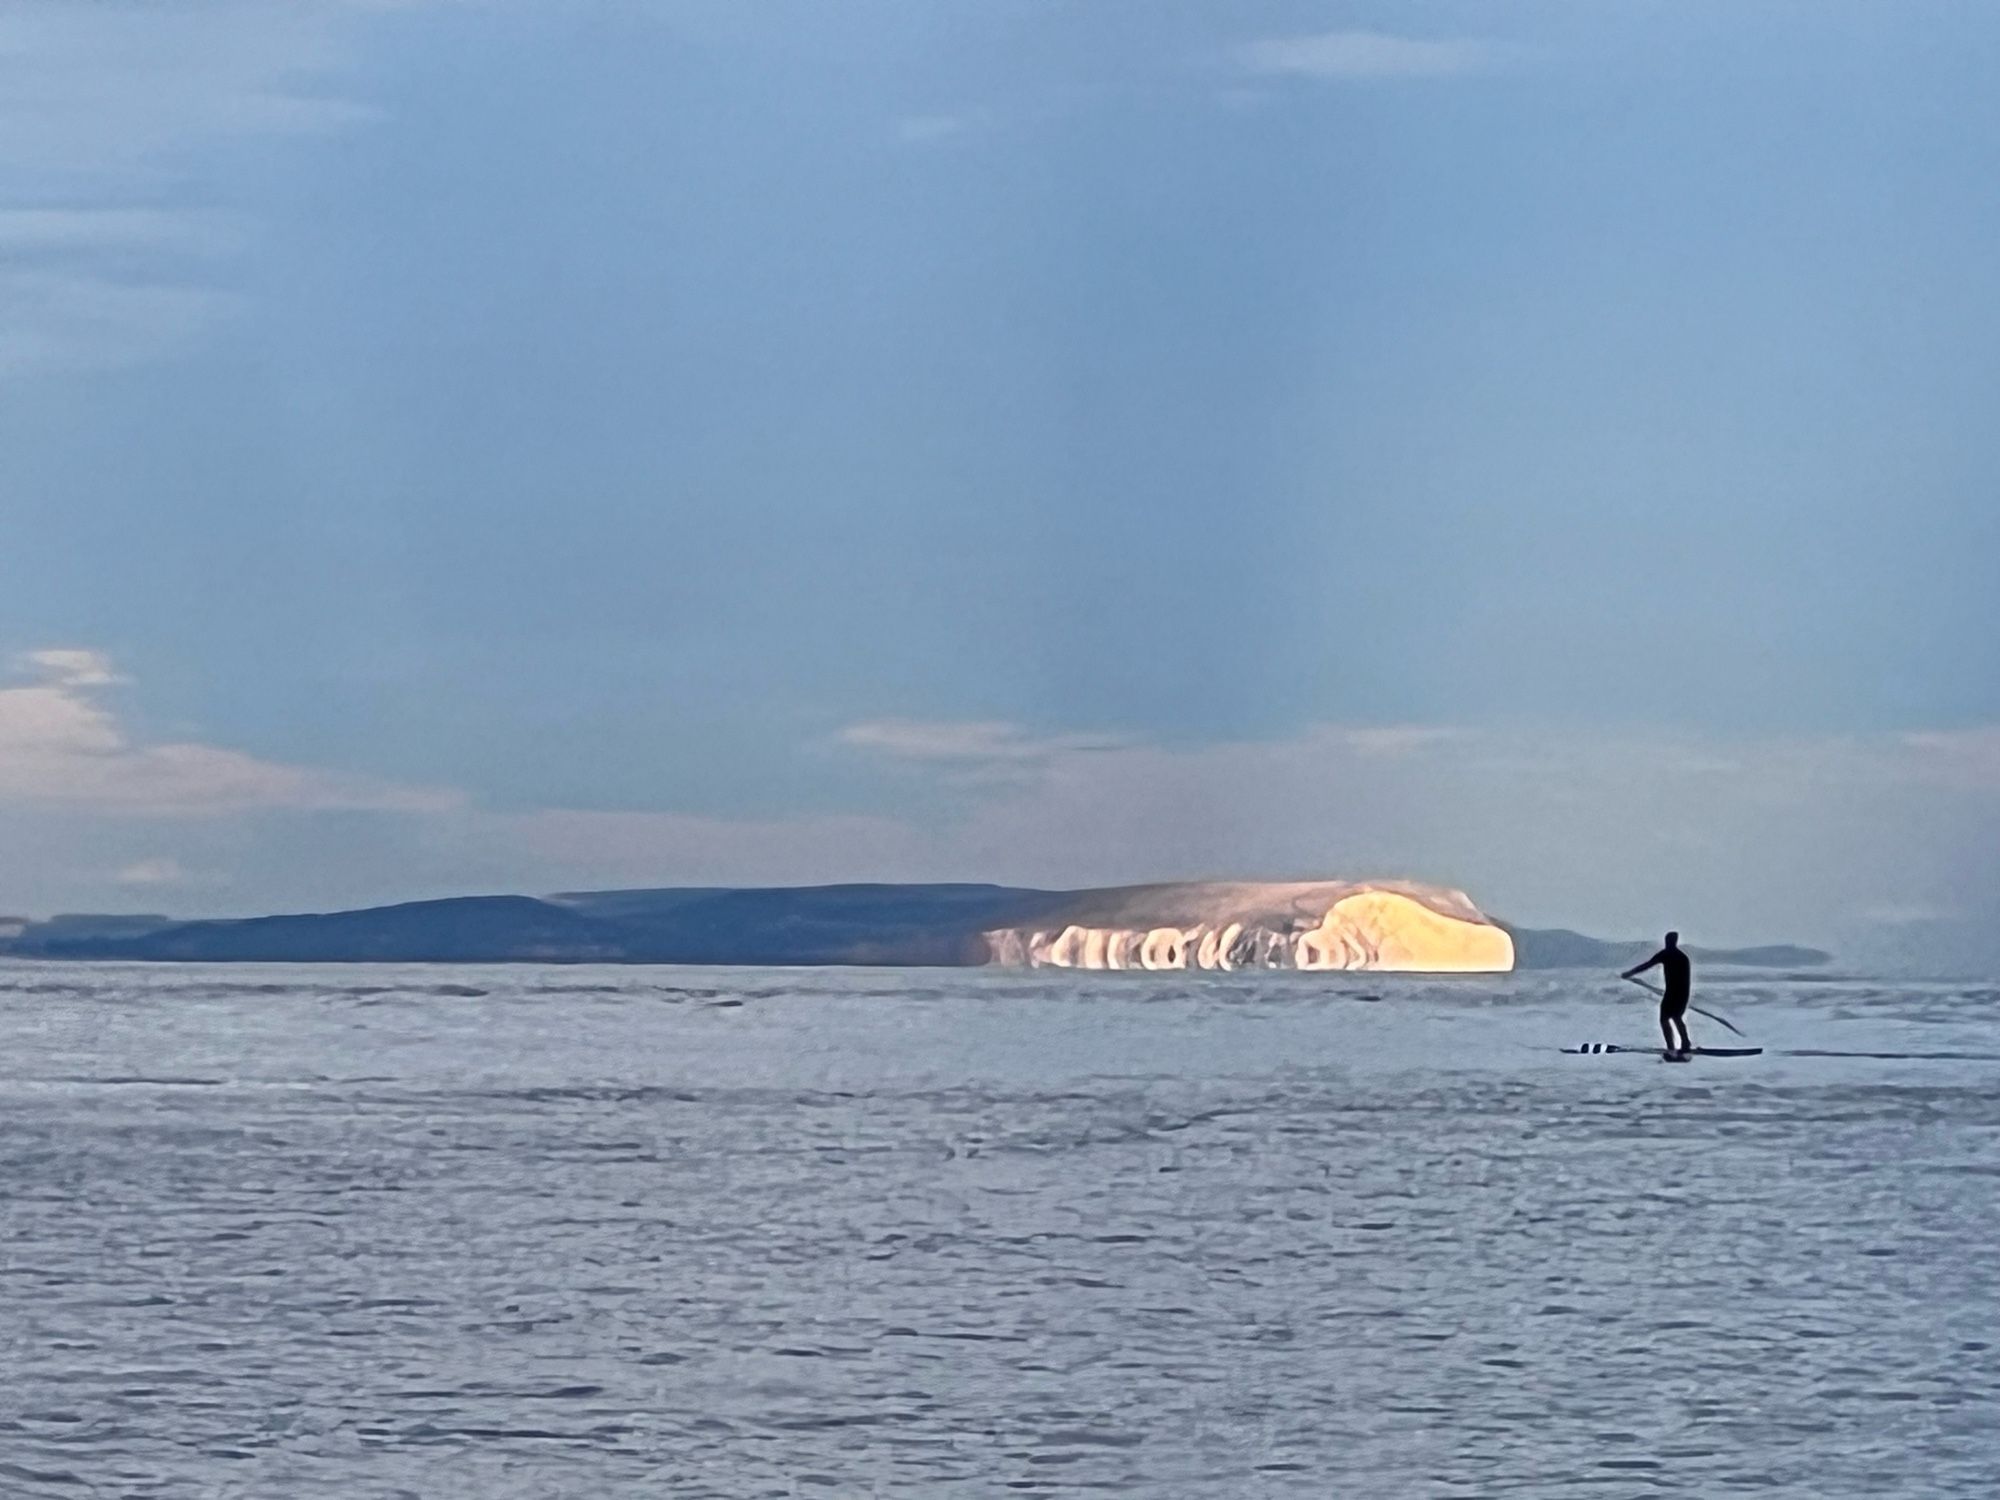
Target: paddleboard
1594,1048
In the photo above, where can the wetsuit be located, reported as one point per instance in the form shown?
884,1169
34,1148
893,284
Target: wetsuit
1679,975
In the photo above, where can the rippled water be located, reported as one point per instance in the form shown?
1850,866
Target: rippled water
361,1232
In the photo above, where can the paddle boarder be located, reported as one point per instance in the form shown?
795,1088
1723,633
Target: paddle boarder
1679,975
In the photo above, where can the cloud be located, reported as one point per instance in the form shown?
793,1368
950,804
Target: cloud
1742,839
1240,98
152,872
72,667
60,745
1394,739
578,849
1966,757
1368,54
110,90
988,742
26,231
1820,839
920,130
83,322
103,262
1905,915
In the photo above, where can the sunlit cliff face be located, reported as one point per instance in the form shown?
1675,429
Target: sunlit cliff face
1397,926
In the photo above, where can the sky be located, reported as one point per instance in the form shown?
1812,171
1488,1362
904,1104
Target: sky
1541,448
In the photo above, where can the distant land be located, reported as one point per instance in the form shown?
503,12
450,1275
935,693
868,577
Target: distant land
1559,948
1323,925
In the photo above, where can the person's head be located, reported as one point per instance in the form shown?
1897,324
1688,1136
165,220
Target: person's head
1673,940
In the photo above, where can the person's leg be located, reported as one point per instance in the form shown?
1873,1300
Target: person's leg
1667,1020
1680,1023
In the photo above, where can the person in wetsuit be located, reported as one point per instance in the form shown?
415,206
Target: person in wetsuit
1679,975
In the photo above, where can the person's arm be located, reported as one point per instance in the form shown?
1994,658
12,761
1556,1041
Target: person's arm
1638,969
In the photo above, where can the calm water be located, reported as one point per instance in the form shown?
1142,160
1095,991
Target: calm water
361,1232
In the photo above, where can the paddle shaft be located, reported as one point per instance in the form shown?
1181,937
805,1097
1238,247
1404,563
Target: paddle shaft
1720,1020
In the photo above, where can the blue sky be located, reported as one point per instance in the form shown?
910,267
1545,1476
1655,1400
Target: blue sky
1545,448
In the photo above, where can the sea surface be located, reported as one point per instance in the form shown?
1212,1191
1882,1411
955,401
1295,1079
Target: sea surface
297,1231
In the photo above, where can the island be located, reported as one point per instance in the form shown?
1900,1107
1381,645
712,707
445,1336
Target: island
1362,925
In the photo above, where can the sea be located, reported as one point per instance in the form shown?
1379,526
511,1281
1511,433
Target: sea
513,1231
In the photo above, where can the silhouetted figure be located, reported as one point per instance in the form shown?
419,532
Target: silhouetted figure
1679,975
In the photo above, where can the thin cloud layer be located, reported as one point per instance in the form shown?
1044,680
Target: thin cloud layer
61,744
152,872
578,849
921,130
1737,839
102,263
1968,757
1368,54
1607,831
974,742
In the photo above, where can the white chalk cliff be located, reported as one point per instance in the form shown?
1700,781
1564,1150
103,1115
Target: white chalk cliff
1379,925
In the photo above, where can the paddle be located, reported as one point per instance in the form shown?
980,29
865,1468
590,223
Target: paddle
1723,1020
